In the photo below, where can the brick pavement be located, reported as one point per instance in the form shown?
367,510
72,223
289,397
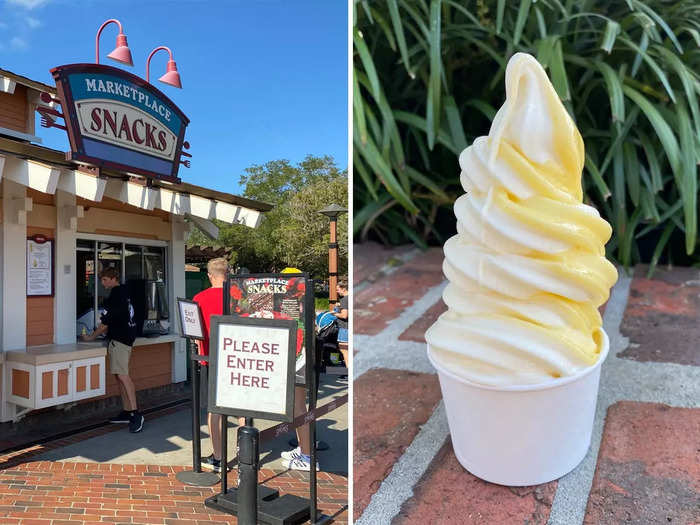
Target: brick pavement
74,493
642,466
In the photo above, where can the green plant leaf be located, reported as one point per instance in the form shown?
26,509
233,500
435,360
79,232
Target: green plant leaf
612,29
688,184
523,12
367,62
663,240
559,78
434,87
614,87
455,123
400,35
500,9
663,130
597,178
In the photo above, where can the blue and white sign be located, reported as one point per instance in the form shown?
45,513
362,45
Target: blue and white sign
116,119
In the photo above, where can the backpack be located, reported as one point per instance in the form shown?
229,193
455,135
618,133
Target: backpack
326,326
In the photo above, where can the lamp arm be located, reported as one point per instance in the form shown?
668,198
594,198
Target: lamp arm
99,32
148,60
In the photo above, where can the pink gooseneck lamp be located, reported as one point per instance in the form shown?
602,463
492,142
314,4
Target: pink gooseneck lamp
171,77
121,52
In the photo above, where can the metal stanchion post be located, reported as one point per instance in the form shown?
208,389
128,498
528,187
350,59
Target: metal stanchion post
248,458
224,453
196,476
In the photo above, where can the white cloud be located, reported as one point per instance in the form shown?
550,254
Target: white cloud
18,43
28,4
33,23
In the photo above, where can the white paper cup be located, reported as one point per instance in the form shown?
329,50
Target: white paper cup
523,434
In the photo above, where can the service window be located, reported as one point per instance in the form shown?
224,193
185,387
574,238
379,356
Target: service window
143,272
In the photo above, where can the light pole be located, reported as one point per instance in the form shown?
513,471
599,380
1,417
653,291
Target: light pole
332,213
121,52
171,77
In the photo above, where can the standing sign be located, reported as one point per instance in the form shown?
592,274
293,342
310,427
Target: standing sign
252,367
120,121
191,320
276,296
39,266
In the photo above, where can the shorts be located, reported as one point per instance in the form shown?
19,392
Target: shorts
119,355
342,335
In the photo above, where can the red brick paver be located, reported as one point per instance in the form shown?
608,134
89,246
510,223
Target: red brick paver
390,406
416,332
648,466
370,257
662,318
381,302
148,494
449,494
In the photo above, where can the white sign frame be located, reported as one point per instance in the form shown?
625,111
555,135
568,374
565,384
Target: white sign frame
251,367
39,269
194,328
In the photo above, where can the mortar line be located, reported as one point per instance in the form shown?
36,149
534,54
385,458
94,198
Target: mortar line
573,490
397,487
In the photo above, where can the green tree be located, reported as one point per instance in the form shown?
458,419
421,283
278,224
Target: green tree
277,180
293,232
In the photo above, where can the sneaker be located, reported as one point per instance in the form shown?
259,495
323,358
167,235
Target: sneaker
301,463
136,423
210,463
123,417
291,454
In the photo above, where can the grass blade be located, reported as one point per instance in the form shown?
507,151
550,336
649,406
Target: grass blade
612,29
665,235
559,78
434,87
500,9
663,130
400,35
688,185
367,62
455,123
523,12
614,87
632,172
597,178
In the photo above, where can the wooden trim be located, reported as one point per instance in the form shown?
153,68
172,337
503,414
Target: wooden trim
94,377
80,378
63,382
118,233
20,383
47,385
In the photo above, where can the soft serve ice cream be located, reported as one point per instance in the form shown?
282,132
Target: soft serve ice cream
527,269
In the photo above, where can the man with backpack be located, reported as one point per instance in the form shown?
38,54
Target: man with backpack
119,325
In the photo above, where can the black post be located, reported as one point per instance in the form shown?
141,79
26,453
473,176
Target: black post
224,453
196,435
311,382
248,458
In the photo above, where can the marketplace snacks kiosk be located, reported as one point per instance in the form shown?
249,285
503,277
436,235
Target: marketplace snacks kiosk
114,199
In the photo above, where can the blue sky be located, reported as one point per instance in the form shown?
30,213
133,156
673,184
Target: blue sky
262,79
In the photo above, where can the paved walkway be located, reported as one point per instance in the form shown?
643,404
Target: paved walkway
644,462
108,475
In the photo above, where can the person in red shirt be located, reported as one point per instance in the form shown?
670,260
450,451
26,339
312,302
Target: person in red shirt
211,302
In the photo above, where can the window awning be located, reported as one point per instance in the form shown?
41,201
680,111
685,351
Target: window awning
47,178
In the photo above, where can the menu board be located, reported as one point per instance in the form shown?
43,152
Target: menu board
39,266
272,297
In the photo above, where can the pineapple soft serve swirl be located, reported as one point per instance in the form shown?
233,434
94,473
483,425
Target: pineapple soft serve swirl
527,269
